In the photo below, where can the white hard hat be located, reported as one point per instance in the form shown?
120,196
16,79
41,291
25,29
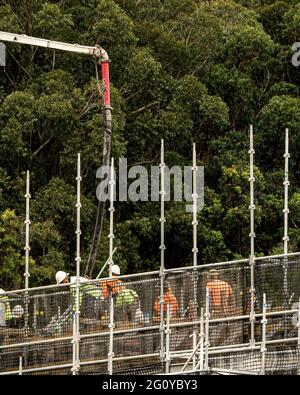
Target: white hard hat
115,269
17,311
2,291
60,276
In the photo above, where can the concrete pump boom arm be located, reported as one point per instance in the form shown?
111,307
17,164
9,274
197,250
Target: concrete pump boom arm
95,51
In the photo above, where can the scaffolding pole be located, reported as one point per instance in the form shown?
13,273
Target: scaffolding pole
162,248
199,348
27,247
263,349
111,251
168,332
201,353
252,237
195,249
20,366
286,184
27,231
285,238
206,316
76,328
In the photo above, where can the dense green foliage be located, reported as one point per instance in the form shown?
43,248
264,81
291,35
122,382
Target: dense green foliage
183,70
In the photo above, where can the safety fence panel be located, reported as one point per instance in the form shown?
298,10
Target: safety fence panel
35,356
229,333
279,279
247,361
36,315
38,331
138,366
279,359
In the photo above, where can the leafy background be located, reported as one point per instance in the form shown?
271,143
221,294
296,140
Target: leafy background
183,70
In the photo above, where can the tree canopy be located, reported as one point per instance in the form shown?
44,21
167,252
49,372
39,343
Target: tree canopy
183,70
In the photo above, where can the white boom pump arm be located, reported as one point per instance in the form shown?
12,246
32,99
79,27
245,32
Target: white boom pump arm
97,52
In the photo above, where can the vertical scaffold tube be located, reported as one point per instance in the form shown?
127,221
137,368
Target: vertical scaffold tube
207,316
76,330
252,237
195,249
162,248
27,247
263,339
111,248
286,184
285,238
168,331
27,230
201,354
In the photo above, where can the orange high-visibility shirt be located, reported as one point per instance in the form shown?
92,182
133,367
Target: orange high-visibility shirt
217,288
115,285
169,298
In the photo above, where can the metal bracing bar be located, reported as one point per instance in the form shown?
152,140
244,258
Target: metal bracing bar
207,316
195,248
162,247
76,316
95,51
233,348
194,352
168,332
233,371
111,249
263,349
105,264
252,237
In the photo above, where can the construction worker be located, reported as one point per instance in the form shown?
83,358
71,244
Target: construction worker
5,310
89,296
169,300
62,277
220,292
221,306
126,301
114,286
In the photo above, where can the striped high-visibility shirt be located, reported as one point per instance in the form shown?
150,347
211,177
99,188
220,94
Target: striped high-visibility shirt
217,289
169,299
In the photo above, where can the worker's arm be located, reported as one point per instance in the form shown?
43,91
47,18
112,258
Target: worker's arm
224,303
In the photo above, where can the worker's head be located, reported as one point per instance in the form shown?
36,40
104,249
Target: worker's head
2,291
17,312
167,286
214,274
115,270
61,277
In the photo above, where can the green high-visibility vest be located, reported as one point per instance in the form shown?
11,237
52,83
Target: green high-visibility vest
89,289
125,297
4,299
